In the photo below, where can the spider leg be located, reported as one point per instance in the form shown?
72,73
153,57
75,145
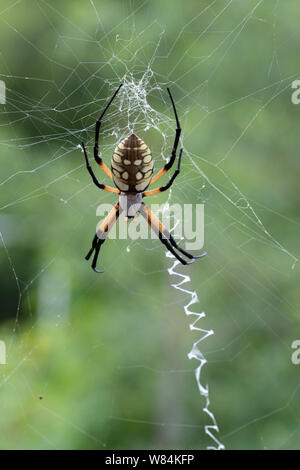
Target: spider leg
94,178
96,245
169,164
165,236
95,259
102,234
97,131
171,249
169,184
186,253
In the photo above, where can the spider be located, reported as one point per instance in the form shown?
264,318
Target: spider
131,172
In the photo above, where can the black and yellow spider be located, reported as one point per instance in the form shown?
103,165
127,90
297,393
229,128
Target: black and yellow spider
131,172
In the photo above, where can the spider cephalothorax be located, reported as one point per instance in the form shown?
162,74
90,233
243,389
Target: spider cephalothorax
132,165
132,172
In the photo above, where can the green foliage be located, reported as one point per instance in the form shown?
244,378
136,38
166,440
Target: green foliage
97,361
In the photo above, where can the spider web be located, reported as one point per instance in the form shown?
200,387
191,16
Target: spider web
135,358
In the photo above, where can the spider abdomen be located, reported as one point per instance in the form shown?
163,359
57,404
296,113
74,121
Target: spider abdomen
132,165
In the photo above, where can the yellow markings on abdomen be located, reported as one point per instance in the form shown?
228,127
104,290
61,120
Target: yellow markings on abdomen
117,167
141,186
148,174
147,159
132,165
122,186
117,158
116,173
145,168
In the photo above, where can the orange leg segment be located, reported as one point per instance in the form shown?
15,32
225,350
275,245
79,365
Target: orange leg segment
165,237
105,169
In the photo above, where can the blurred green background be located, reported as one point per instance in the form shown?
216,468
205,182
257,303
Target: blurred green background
99,362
